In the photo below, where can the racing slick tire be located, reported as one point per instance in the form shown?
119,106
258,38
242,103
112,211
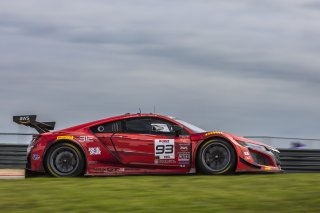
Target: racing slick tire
64,160
216,157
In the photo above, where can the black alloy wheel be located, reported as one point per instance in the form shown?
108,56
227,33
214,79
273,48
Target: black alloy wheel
64,160
216,157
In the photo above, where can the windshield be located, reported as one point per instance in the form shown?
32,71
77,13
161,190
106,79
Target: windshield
191,126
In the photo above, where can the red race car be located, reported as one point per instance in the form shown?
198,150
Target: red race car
142,144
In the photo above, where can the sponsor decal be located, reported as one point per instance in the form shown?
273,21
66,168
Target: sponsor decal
213,133
184,162
166,161
131,169
164,148
85,138
65,137
184,147
35,157
92,162
110,170
246,153
184,156
113,170
267,168
94,151
121,169
99,169
24,119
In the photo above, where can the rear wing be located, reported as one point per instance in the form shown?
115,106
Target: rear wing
30,120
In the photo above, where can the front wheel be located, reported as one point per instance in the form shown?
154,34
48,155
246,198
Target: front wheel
64,160
216,157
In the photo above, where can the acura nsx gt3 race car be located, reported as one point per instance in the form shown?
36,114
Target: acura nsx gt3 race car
142,144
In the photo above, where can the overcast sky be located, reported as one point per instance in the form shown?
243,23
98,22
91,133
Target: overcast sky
248,67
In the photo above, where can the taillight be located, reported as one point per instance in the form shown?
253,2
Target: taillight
34,140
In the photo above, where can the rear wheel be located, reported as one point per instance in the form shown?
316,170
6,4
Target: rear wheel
216,156
65,160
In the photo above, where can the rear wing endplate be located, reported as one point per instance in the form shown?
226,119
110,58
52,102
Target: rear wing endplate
30,120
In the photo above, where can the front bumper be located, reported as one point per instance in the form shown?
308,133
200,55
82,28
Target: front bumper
254,160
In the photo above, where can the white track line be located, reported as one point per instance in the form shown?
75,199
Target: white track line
13,177
8,174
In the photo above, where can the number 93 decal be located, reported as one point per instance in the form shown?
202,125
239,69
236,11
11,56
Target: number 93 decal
164,148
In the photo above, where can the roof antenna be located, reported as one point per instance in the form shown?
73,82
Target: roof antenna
139,110
154,109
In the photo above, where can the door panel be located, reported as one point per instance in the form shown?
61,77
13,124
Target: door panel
105,140
134,148
146,142
153,150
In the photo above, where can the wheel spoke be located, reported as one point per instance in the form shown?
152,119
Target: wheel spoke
64,161
216,157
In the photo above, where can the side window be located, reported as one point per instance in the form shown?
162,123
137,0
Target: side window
147,125
138,125
159,126
110,127
163,127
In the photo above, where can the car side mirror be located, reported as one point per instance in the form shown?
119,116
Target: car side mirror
177,130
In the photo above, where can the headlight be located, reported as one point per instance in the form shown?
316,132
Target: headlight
273,150
253,146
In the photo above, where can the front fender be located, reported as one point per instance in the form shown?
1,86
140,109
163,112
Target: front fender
199,139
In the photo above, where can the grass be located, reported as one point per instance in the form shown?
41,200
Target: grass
241,193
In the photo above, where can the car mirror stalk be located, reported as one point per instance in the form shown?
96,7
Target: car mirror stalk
177,130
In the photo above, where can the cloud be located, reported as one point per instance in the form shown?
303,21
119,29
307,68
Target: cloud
246,67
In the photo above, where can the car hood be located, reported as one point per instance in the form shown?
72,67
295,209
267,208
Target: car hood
231,136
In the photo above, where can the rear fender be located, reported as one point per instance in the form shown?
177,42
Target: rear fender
73,142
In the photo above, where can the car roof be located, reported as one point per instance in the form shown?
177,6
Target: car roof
115,118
